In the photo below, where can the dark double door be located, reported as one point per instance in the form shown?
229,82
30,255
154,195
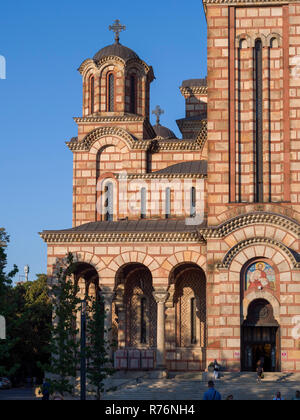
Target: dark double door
260,338
260,344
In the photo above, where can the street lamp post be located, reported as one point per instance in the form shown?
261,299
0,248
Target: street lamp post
83,352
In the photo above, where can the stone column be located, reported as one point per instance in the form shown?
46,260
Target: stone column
160,297
108,296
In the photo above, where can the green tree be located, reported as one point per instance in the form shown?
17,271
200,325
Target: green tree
7,309
34,311
64,344
99,363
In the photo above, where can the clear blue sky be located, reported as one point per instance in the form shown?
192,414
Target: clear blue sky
44,43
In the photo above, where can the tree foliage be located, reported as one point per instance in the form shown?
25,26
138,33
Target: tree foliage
8,309
64,344
99,363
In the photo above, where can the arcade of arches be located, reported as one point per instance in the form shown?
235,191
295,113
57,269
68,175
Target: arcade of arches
169,328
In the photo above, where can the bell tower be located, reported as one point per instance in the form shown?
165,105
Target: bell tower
253,106
116,88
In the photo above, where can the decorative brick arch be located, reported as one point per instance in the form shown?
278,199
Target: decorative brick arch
128,258
260,294
238,255
123,138
184,257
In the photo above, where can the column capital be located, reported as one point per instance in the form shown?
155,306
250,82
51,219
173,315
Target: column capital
160,296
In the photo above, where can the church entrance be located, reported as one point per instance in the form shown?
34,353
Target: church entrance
260,338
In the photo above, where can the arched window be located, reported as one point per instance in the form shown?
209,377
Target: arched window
92,95
110,92
259,121
133,94
143,203
168,203
193,202
109,203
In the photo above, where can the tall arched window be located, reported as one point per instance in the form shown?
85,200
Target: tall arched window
109,202
110,92
259,196
143,203
168,203
193,202
92,94
133,94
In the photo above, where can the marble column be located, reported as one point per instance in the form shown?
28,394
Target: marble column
160,297
108,296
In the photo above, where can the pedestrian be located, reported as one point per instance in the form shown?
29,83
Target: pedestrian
278,397
216,370
212,394
46,390
297,396
260,372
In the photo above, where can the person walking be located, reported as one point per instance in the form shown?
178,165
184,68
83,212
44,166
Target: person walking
278,397
260,372
46,390
212,394
216,370
297,396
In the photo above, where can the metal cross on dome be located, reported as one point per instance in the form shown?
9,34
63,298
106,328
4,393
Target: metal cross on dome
117,28
158,112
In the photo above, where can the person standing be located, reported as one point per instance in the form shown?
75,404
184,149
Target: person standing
278,397
212,394
260,372
297,396
216,370
46,390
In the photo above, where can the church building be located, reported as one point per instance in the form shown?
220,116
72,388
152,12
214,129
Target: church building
193,242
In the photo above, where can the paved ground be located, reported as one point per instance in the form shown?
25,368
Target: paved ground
17,394
242,387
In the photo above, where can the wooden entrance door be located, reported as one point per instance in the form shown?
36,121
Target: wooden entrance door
260,338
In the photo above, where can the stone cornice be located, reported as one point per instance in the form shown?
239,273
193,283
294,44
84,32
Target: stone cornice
109,119
229,257
160,176
238,222
113,237
135,144
193,90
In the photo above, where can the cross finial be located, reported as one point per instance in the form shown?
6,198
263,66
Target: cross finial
117,28
158,112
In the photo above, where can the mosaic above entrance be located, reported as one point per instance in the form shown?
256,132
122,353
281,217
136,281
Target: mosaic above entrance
260,275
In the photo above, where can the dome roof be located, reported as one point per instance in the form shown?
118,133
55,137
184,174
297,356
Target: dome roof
163,132
117,50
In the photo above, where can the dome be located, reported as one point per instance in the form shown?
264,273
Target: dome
117,50
163,132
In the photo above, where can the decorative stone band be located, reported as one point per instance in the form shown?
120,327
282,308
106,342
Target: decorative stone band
193,90
252,241
249,219
97,237
154,145
160,176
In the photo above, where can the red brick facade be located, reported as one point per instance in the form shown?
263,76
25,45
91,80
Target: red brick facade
180,295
